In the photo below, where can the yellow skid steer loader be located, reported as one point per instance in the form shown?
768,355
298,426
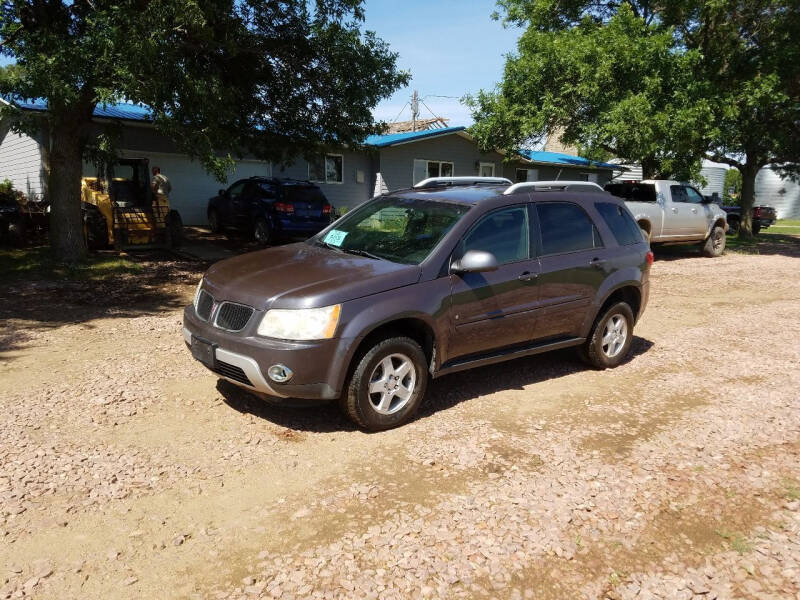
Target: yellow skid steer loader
121,210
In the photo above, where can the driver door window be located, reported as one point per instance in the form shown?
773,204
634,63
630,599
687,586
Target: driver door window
693,196
504,233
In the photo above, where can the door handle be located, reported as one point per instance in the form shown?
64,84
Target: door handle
597,262
675,209
694,210
527,276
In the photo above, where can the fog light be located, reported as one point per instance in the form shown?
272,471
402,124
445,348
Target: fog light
280,373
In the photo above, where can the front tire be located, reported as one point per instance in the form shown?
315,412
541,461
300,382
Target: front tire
610,339
214,223
715,243
387,385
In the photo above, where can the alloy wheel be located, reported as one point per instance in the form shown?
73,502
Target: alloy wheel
615,334
392,384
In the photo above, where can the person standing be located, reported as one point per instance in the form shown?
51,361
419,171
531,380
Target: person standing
160,184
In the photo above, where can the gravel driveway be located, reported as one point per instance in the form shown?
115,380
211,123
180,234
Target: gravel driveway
127,471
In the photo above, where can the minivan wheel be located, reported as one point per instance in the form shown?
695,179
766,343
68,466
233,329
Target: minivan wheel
262,232
387,385
715,243
611,337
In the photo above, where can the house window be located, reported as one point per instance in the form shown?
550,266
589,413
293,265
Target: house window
486,169
327,169
526,175
431,168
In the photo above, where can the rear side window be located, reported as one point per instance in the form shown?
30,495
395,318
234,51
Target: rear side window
633,191
620,222
565,227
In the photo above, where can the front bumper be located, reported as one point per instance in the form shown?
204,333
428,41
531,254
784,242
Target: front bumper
244,360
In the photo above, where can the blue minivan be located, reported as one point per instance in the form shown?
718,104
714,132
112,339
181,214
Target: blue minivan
270,209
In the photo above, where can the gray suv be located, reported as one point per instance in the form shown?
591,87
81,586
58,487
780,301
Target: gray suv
424,282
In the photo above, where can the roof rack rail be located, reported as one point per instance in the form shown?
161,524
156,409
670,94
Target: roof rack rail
449,181
563,186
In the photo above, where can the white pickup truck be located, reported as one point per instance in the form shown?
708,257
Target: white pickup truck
671,212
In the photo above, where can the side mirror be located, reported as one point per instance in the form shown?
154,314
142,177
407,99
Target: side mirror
475,261
222,192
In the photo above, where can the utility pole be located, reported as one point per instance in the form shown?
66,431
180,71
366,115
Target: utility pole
414,110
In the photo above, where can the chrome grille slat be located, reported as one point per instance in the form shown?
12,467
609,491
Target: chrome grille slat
233,316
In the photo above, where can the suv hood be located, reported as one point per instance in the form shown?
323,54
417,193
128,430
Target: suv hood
303,276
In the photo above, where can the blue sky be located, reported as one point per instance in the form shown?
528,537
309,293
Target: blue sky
450,47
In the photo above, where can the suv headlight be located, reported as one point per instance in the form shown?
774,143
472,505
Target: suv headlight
300,324
197,292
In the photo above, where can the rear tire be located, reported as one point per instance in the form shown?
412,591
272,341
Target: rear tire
174,229
611,337
733,226
756,228
715,243
387,386
262,232
18,232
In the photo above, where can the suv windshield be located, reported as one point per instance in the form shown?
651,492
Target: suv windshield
402,230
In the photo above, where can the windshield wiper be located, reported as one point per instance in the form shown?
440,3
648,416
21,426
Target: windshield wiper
327,245
361,253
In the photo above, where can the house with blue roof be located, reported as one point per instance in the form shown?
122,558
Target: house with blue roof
347,176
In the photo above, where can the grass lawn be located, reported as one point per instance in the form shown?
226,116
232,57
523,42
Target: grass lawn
787,225
37,263
782,238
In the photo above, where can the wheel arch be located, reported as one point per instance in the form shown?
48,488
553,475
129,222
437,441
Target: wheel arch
413,326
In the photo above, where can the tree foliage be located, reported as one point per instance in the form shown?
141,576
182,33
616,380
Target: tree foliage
663,84
222,77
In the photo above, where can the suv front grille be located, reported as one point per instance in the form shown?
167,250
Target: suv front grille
232,316
231,372
205,304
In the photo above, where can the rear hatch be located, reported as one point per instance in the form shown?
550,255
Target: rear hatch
308,201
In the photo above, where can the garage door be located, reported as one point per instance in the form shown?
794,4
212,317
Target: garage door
192,187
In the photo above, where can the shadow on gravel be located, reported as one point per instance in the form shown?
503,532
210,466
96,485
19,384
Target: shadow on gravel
443,393
765,243
303,415
161,282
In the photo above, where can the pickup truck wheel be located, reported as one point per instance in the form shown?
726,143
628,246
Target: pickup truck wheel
715,243
214,223
387,385
610,339
733,226
756,228
645,233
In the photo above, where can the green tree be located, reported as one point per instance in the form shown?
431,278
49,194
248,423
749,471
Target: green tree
733,187
663,84
223,78
611,80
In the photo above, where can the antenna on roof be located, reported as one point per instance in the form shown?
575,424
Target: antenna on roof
414,110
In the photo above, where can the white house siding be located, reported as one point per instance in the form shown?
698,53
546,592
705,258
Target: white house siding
21,163
781,194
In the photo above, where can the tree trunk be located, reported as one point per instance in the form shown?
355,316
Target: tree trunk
746,201
650,167
66,166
